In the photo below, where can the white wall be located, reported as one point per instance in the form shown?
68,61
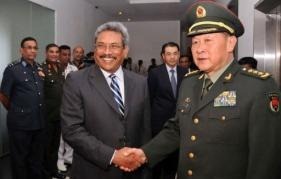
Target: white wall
246,15
147,38
75,21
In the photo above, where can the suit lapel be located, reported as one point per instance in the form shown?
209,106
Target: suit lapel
180,75
98,81
219,86
128,91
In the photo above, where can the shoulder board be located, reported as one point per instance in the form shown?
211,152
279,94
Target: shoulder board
192,73
14,63
256,73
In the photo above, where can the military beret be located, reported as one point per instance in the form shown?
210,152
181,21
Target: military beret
205,17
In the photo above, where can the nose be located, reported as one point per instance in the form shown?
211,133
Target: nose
201,47
107,50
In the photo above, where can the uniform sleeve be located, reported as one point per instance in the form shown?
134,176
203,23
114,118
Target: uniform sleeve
163,144
264,134
7,82
74,131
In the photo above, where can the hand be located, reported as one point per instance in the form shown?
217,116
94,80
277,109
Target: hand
135,154
129,159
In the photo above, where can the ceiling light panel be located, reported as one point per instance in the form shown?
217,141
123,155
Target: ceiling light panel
153,1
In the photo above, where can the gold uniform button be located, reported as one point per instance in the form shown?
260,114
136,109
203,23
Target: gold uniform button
191,155
223,118
196,121
193,138
189,172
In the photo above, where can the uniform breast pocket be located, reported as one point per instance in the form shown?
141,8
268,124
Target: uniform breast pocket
224,125
24,80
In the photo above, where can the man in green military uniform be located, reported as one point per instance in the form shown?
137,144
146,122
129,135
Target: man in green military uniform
53,87
228,119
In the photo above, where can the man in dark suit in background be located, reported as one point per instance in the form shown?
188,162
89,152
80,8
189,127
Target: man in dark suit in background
163,84
104,109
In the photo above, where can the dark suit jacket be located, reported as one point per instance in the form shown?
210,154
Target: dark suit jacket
220,141
162,99
92,125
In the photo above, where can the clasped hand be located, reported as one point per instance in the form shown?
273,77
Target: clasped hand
129,159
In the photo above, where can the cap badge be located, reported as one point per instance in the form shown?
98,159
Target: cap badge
200,12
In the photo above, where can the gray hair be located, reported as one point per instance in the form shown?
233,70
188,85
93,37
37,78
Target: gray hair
115,27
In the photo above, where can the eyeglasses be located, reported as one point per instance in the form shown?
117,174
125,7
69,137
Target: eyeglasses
111,47
31,48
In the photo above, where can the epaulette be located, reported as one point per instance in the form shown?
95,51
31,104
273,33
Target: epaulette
255,73
192,73
14,63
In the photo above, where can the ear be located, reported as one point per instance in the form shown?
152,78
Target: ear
125,51
162,56
231,43
21,50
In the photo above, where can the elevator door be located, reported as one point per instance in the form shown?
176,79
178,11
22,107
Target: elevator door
267,39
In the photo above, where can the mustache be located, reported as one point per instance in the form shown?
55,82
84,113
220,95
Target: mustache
108,56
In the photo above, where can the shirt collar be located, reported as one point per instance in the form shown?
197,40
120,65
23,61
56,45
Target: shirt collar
169,68
217,74
24,63
119,73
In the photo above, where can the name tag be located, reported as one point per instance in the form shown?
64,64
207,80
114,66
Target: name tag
226,98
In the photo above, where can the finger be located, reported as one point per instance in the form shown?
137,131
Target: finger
125,169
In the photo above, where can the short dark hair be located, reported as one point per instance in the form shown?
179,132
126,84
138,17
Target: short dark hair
50,46
248,60
64,47
169,44
27,39
89,54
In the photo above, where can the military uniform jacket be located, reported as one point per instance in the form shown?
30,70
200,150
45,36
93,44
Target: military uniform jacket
53,85
23,85
232,133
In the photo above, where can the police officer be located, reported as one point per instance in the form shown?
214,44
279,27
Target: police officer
228,118
22,89
53,84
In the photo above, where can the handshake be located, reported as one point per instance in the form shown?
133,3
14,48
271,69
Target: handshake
129,159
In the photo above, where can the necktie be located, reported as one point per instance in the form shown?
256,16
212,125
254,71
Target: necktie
207,85
117,94
173,82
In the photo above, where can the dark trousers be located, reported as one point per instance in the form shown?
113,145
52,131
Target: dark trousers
27,153
167,168
53,131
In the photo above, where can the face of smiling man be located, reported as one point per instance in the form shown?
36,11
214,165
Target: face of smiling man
110,51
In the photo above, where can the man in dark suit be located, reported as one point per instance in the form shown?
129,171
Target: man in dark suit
163,84
104,109
228,119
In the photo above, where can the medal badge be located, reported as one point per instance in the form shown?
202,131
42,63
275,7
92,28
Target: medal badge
226,98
